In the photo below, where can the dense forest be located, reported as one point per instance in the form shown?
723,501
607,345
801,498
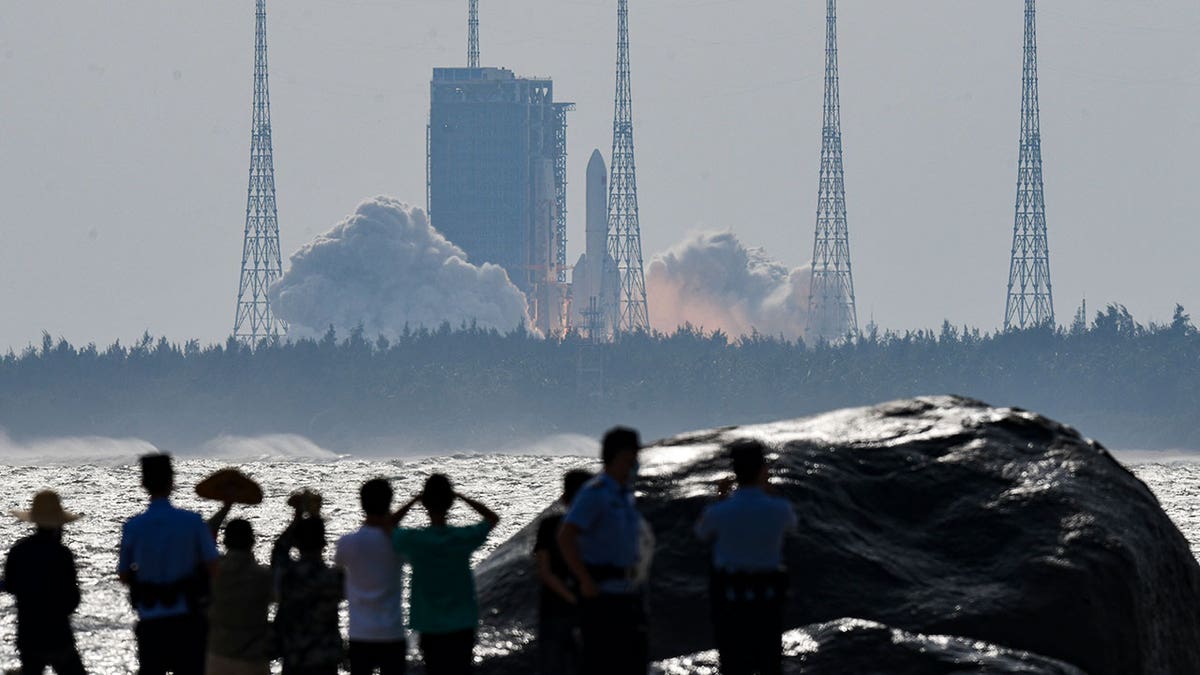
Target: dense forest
1127,384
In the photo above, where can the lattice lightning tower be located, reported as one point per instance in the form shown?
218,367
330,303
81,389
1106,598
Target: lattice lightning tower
1030,302
624,231
831,311
473,34
261,264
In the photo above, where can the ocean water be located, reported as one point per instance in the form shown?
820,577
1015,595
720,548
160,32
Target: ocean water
102,483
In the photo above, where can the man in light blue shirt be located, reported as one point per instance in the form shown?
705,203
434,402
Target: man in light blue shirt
167,559
600,544
747,530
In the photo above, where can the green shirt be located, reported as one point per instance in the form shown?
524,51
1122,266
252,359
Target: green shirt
442,598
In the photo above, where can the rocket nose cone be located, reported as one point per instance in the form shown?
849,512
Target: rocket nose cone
596,163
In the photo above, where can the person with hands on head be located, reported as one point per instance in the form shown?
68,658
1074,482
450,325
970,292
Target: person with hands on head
373,586
600,541
444,607
748,586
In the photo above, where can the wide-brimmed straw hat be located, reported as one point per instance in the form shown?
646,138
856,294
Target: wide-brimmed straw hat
47,511
230,485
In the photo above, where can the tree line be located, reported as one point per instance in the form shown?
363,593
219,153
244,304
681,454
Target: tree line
1128,384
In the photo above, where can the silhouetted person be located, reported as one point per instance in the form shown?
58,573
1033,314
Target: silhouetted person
749,583
40,573
444,608
558,609
306,622
239,633
373,586
600,540
167,558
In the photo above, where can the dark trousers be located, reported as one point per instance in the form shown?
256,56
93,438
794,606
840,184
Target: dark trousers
749,635
615,635
174,644
386,657
64,660
448,653
559,649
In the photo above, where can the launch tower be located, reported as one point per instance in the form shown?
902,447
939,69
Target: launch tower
1030,302
261,264
831,311
473,34
624,230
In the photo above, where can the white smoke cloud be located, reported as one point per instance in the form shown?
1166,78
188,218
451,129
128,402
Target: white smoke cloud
385,266
713,281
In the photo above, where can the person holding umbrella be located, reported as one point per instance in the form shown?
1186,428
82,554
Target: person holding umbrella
40,573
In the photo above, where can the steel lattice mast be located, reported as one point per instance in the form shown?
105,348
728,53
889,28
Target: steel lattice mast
473,34
1030,302
624,231
831,311
261,264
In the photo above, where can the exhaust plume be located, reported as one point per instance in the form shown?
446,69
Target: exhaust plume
712,281
385,267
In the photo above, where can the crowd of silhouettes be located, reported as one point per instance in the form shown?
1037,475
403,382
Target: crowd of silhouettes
203,612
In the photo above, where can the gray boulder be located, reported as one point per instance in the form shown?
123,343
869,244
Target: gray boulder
933,516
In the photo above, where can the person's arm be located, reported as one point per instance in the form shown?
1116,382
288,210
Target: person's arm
282,550
551,580
487,514
218,519
402,512
125,558
72,590
568,544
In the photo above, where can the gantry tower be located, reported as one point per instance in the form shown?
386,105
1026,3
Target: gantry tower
1030,302
473,34
831,311
261,264
624,231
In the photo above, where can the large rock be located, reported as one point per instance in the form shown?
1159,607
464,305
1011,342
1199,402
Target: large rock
933,516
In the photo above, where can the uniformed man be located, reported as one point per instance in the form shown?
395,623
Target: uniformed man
167,557
600,541
747,530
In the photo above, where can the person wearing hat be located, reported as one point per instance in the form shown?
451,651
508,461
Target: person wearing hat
40,573
601,542
167,558
747,529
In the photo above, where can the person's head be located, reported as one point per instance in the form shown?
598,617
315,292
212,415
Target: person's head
239,536
573,482
47,513
376,497
310,535
749,462
619,452
157,475
438,495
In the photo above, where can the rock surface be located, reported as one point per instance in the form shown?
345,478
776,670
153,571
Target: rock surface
856,646
934,516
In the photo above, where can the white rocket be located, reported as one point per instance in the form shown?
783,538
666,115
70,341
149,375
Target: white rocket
592,279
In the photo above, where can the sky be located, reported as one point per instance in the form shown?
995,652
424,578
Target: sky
124,137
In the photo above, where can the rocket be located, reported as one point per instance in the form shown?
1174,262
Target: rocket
597,217
592,278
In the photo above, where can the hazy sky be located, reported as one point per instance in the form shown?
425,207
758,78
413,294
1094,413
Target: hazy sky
124,135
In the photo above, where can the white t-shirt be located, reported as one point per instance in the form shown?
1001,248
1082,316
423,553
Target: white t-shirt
373,585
